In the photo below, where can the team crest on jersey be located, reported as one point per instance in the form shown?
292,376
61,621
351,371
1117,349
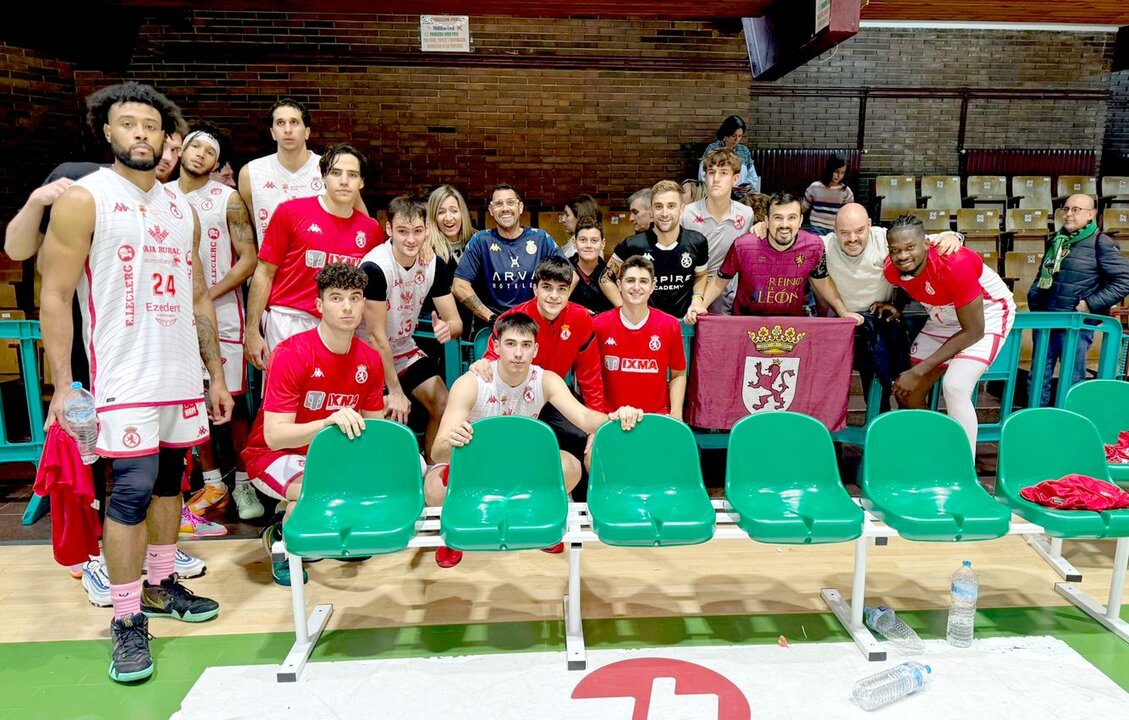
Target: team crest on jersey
314,400
419,277
361,239
494,247
316,185
528,395
739,222
800,259
130,437
362,374
189,410
216,191
314,228
686,260
531,247
175,211
262,213
213,233
125,253
566,333
929,288
655,343
158,233
207,204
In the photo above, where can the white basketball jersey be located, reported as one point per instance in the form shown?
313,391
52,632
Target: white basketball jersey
496,398
216,252
407,288
272,184
136,296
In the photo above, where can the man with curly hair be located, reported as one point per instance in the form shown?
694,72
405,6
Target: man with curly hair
127,244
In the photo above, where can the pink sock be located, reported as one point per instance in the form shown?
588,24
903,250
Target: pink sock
126,598
161,562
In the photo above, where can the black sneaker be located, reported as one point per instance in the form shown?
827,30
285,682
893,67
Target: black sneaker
171,599
131,660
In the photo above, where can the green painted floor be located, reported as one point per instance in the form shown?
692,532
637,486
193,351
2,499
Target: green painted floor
57,680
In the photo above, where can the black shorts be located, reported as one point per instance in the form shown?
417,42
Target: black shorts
418,373
570,438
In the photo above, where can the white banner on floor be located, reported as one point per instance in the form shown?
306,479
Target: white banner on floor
1021,678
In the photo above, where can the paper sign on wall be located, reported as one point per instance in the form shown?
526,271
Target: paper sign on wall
444,33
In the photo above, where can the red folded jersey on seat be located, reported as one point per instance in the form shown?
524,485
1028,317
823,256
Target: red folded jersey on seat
1077,492
1119,451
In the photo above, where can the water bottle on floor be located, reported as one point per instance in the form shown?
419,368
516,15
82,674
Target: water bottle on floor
962,606
83,422
890,686
886,623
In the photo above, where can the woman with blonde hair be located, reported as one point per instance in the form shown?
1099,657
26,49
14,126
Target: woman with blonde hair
448,223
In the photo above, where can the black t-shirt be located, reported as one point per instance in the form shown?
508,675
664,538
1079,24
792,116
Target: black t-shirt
588,293
674,267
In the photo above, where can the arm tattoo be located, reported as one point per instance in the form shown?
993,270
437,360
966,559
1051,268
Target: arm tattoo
209,341
476,306
239,227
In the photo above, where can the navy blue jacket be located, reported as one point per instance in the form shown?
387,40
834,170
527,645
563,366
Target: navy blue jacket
1094,271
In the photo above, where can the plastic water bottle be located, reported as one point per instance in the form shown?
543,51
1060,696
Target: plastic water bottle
883,621
962,606
890,686
83,421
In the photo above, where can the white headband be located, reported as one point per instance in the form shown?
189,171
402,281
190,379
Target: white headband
204,137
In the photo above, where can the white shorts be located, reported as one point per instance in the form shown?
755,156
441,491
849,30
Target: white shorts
282,471
133,431
933,336
280,323
234,369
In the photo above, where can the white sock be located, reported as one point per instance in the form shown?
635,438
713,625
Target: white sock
957,385
241,478
213,478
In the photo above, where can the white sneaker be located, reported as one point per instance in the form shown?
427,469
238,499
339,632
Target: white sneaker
186,566
96,582
247,501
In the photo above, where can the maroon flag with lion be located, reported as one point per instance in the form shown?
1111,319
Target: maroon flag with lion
745,365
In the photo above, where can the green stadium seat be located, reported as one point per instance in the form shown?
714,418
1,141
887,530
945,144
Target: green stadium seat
352,506
506,489
1106,404
919,478
1040,444
645,488
782,479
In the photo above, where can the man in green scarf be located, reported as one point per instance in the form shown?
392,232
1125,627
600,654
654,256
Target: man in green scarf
1082,271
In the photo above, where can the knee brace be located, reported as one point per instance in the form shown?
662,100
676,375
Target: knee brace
134,479
170,472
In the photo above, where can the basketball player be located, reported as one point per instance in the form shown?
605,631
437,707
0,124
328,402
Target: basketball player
970,311
305,235
518,388
320,377
127,243
227,257
399,283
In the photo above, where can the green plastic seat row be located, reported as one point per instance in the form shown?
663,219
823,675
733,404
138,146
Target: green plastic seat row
1105,403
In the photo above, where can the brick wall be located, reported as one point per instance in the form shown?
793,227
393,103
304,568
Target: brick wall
1117,125
563,106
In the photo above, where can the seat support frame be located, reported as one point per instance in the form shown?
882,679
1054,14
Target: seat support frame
1110,615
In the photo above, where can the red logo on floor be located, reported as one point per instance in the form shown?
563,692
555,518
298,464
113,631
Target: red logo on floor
634,678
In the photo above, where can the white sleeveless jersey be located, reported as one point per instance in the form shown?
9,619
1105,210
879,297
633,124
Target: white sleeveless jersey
272,184
407,288
496,398
217,254
136,296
